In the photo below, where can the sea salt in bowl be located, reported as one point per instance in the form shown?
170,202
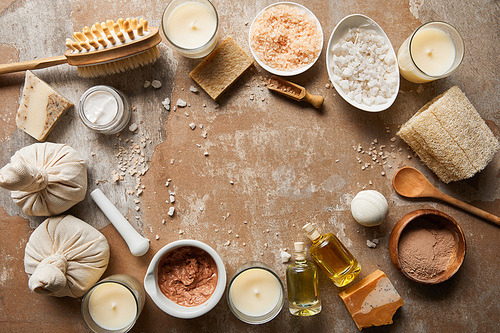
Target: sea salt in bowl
345,76
170,307
416,231
292,60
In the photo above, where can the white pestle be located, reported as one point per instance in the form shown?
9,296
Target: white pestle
137,244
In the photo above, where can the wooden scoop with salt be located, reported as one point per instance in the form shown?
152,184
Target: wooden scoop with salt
294,91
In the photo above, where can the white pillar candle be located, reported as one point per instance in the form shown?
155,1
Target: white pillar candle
112,306
191,27
256,294
433,51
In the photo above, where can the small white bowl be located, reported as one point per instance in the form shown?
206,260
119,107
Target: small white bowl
295,71
352,22
170,307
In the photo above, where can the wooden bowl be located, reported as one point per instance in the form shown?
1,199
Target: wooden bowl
435,218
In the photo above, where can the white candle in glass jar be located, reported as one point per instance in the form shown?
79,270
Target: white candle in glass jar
433,51
191,27
112,306
255,292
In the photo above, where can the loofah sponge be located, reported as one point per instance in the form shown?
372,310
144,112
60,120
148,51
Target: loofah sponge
450,137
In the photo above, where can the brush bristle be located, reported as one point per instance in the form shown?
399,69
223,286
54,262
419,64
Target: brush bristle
120,65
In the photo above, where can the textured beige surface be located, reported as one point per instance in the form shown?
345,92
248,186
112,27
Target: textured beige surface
290,164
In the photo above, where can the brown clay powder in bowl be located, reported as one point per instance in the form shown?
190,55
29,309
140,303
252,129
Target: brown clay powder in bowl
425,249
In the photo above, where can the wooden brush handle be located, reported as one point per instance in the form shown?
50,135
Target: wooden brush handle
315,100
469,208
32,64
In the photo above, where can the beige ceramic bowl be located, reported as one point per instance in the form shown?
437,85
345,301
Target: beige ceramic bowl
441,220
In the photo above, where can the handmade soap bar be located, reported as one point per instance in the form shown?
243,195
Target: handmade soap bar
40,108
372,301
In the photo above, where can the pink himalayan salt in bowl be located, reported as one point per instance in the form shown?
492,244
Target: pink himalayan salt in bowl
286,39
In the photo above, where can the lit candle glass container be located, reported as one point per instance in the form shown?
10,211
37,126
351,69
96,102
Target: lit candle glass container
255,293
191,27
114,304
104,109
433,51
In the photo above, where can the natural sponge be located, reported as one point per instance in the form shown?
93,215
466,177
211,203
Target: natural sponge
450,137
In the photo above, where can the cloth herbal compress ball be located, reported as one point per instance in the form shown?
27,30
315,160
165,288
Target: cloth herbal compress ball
65,256
369,208
45,178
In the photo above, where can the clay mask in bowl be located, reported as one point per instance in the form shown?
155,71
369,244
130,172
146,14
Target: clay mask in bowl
427,246
186,296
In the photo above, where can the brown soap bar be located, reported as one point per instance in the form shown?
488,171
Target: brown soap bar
372,301
221,68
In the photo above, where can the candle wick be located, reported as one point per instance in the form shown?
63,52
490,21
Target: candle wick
194,24
429,51
256,291
113,306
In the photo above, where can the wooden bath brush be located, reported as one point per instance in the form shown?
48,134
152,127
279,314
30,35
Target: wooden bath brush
105,48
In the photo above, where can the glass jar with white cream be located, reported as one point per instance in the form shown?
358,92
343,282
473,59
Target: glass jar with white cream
104,109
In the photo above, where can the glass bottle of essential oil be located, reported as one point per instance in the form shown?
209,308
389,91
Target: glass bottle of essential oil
332,256
302,285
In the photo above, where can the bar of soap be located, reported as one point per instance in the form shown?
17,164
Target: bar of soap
372,301
221,68
41,106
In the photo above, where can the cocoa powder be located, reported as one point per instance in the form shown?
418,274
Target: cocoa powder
425,249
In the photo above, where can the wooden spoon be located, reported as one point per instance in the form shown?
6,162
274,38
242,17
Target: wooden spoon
411,183
294,91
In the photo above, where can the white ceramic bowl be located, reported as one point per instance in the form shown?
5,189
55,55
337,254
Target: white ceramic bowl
170,307
298,70
352,22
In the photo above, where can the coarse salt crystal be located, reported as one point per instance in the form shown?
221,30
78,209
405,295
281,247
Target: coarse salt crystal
166,103
156,84
171,211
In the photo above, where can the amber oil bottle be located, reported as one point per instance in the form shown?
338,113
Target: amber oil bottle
332,256
302,284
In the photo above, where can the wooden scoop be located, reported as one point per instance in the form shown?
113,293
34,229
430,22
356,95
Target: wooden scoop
294,91
411,183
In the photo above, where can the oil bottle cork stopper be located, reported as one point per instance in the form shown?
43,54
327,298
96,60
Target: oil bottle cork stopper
299,246
300,250
311,232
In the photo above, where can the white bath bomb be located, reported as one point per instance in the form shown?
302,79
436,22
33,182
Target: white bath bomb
369,208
